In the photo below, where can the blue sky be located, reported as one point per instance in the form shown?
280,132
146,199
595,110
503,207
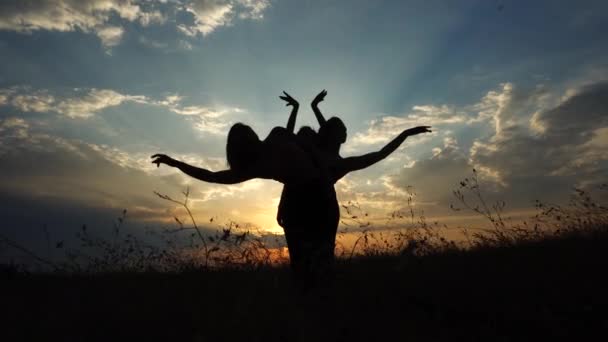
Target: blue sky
89,89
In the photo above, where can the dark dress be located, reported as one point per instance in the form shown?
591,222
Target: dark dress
309,214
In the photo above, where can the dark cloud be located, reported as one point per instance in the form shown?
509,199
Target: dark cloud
535,152
559,144
66,183
433,179
574,121
61,184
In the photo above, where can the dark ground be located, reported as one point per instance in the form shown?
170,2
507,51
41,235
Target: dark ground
548,290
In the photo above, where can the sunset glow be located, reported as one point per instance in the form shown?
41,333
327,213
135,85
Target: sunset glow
89,90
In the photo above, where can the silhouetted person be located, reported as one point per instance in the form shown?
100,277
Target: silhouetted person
285,157
309,215
307,212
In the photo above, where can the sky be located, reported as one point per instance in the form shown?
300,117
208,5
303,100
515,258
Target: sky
89,89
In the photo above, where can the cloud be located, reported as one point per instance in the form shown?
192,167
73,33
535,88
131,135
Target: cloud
575,119
152,17
110,35
26,16
72,168
383,129
211,14
511,106
206,119
27,100
556,142
10,129
533,132
104,18
93,101
528,143
63,15
500,106
84,103
63,183
432,179
79,177
81,103
141,160
208,15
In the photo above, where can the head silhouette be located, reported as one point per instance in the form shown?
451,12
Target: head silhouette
242,148
307,135
333,132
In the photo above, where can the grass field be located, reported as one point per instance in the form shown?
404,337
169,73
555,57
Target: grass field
548,289
543,281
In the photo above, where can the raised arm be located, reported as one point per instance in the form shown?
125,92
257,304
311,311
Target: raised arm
315,107
220,177
350,164
291,123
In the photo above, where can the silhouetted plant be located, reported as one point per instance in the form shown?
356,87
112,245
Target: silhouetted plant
581,216
230,244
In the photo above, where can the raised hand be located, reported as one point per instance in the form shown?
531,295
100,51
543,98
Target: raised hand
319,98
290,100
163,159
418,130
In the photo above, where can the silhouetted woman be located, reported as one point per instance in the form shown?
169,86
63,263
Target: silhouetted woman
283,156
310,215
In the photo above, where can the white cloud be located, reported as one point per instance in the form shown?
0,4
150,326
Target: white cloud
93,101
152,17
35,101
94,16
254,8
103,17
3,98
84,103
383,129
211,14
13,128
208,15
510,106
205,119
141,160
110,35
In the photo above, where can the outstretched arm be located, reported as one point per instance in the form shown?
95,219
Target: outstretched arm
350,164
221,177
315,107
291,123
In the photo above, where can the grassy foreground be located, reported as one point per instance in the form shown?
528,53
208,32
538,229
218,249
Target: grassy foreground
546,289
